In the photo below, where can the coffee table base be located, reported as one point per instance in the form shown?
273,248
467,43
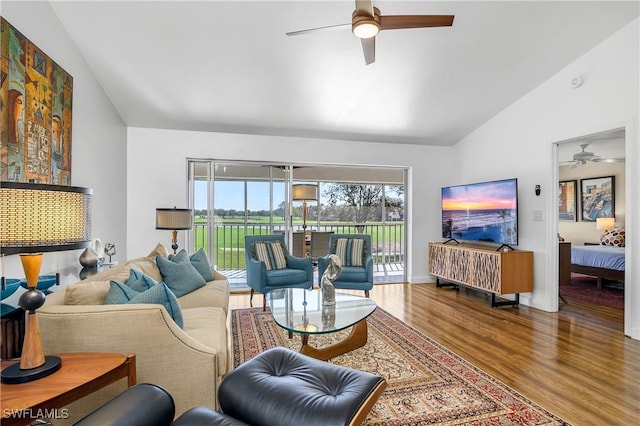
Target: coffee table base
356,339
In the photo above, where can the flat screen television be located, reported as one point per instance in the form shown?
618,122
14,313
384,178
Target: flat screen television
484,211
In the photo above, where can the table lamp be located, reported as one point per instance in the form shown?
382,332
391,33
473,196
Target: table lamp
605,224
174,220
38,218
305,192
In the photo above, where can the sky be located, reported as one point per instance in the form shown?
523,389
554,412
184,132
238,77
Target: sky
230,195
481,196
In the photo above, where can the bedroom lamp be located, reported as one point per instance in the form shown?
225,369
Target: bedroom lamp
174,220
305,193
605,224
37,218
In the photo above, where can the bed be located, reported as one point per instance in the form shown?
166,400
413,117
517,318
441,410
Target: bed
603,262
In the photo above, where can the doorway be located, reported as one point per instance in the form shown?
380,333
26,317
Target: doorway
583,164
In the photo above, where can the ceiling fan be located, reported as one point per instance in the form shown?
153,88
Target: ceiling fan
366,23
584,156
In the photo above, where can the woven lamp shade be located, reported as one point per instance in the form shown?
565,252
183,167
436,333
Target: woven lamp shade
36,217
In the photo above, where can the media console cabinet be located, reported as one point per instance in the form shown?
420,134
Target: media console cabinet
484,268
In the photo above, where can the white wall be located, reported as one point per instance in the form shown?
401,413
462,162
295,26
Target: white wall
162,181
519,142
98,141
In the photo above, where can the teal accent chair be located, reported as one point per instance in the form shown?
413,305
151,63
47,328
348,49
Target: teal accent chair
352,277
297,274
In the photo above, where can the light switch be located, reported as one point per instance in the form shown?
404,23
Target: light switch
537,216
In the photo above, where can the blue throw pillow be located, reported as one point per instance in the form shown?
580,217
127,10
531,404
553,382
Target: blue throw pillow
351,251
119,293
139,281
198,260
180,275
158,294
271,253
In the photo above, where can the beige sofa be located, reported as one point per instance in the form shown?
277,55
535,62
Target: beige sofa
189,362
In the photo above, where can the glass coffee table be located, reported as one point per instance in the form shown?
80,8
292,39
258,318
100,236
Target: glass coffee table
301,311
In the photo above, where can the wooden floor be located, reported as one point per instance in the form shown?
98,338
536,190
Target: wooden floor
577,363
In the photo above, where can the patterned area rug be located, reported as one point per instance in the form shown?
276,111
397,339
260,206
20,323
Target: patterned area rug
584,287
427,383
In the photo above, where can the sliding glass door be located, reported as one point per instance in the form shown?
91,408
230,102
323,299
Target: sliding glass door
234,199
241,199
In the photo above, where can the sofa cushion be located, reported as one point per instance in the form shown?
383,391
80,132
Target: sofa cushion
285,277
180,275
209,326
146,265
271,253
198,260
160,294
352,274
158,250
86,293
214,294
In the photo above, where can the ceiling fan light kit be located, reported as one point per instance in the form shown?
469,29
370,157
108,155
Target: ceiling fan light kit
364,25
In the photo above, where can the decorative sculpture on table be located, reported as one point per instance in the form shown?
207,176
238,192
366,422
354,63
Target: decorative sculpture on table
89,258
328,317
110,250
333,271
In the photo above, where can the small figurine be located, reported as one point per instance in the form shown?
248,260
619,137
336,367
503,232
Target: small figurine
110,250
333,271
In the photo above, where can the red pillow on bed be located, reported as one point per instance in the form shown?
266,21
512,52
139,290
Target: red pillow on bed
614,237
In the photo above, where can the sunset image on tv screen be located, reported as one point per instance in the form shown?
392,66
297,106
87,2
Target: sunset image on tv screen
486,211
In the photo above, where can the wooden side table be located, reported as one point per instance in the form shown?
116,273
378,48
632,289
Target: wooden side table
80,375
12,332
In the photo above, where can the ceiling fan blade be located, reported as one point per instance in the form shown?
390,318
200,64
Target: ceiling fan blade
396,22
364,7
369,49
320,29
608,160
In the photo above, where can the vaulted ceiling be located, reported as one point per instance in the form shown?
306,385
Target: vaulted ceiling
228,66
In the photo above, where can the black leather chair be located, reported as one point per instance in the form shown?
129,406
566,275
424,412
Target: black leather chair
277,387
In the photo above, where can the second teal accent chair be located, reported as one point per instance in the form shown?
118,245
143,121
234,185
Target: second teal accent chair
298,272
353,277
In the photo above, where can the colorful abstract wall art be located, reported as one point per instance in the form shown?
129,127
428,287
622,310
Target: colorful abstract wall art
35,113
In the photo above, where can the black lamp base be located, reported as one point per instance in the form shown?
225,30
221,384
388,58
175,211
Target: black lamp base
13,374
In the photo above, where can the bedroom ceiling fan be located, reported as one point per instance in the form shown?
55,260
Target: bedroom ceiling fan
584,156
366,23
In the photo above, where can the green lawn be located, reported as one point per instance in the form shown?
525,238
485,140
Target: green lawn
229,236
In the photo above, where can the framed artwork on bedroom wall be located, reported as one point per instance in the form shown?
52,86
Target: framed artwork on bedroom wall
567,200
597,197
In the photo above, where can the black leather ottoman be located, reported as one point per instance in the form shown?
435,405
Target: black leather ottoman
282,387
279,387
